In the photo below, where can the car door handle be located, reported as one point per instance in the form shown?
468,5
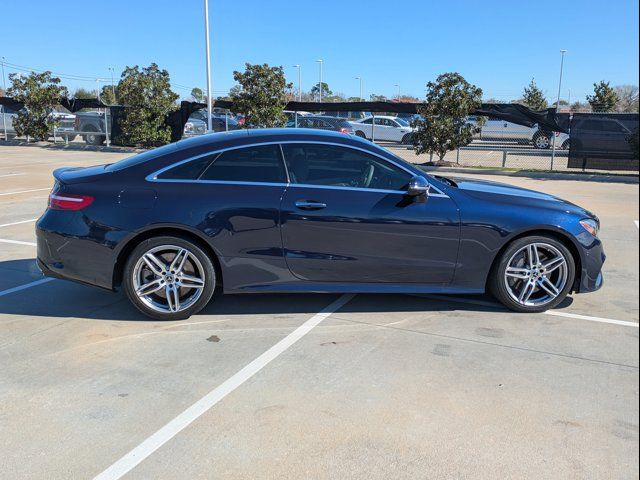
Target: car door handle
310,205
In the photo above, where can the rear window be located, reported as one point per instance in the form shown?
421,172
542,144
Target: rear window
141,158
189,170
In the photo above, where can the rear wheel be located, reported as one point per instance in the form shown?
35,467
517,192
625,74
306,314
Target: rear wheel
407,139
94,139
169,278
565,145
534,274
360,134
542,140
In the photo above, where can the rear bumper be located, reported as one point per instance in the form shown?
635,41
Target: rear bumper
77,255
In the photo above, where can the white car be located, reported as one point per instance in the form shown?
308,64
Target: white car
500,130
391,129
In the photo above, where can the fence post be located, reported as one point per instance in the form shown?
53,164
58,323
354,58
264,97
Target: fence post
504,158
54,134
373,127
458,156
106,126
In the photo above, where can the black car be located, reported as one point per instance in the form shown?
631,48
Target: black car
322,123
300,210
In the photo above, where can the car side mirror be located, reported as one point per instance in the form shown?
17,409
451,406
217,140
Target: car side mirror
418,186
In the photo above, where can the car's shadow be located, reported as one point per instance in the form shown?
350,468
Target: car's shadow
68,299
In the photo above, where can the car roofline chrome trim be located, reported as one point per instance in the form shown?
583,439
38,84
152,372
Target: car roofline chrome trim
152,177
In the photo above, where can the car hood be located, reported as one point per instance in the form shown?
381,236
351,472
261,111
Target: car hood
511,195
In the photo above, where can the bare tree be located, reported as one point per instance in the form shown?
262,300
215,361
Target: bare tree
627,98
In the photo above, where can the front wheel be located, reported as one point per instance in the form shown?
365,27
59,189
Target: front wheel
542,140
407,139
533,274
361,134
169,278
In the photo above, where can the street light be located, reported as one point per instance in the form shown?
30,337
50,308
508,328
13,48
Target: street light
113,87
398,87
553,150
320,62
4,86
360,97
299,81
208,62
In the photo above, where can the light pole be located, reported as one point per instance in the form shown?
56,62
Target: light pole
208,53
4,86
360,96
553,148
320,62
98,88
398,87
299,81
113,87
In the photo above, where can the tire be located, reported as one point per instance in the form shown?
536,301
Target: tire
407,139
150,265
361,134
565,145
93,139
542,140
548,287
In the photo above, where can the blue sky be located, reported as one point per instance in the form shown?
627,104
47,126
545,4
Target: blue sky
498,45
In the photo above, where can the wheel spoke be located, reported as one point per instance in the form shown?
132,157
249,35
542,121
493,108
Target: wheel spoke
173,298
534,258
527,291
191,282
179,260
149,288
553,264
156,265
517,272
548,287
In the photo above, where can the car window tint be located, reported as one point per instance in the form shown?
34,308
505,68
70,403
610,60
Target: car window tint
261,163
329,165
367,121
187,171
613,127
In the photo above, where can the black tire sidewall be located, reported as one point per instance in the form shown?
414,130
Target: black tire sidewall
499,290
205,260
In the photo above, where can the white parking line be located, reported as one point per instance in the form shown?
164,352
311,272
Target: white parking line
11,174
18,223
554,313
637,223
179,423
24,191
25,286
18,242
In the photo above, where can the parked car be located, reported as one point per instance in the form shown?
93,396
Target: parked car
194,127
91,124
598,136
219,123
291,115
65,122
323,123
348,115
295,210
392,129
501,130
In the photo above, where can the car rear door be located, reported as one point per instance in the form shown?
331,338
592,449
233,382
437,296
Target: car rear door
346,218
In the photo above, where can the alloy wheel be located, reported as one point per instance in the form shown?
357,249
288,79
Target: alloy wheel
536,274
168,278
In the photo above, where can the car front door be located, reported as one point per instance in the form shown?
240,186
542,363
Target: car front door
345,217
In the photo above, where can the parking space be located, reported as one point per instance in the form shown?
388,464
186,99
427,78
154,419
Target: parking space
314,386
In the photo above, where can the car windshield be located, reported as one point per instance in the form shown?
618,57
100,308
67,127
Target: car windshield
402,122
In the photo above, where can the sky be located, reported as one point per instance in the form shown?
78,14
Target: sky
497,45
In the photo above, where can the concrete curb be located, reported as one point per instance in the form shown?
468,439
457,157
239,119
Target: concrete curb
79,147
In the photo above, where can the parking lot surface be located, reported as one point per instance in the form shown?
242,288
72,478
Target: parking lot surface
313,386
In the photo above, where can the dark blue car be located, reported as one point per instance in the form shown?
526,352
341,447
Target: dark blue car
288,210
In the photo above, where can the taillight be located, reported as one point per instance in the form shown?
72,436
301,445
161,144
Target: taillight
63,201
345,130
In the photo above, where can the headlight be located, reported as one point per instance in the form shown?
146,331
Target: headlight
591,226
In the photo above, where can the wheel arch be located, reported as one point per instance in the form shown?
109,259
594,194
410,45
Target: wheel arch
560,235
131,243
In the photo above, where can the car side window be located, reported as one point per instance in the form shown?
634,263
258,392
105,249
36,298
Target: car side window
260,163
331,165
187,171
367,121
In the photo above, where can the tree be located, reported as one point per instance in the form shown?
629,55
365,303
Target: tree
326,91
147,94
443,124
533,97
262,96
377,98
84,93
604,97
580,107
39,92
197,94
109,94
627,98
